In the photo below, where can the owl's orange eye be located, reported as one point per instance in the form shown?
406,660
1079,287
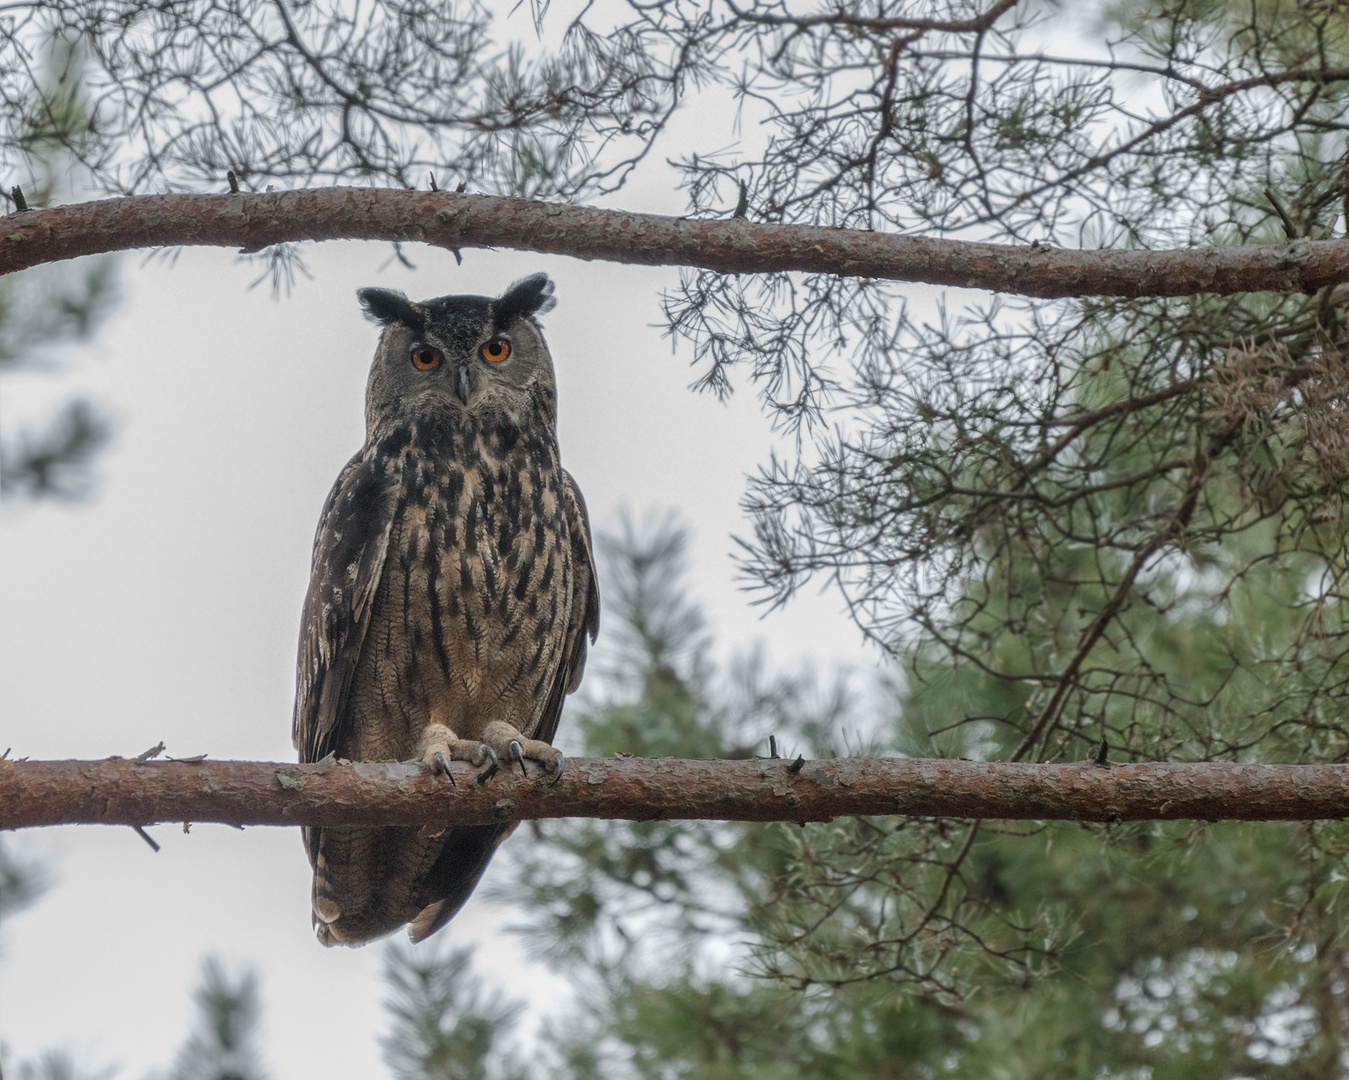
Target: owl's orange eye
425,358
496,350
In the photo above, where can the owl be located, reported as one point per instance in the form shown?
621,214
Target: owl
451,597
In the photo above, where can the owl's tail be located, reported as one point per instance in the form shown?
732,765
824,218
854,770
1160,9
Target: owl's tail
467,851
369,882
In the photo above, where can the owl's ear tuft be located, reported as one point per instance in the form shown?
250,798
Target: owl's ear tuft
385,306
528,296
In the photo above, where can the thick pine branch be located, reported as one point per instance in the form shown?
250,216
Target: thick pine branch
118,791
449,220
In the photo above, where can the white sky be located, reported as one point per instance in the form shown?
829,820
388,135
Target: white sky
168,608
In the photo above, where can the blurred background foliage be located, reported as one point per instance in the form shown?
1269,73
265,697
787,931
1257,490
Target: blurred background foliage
45,310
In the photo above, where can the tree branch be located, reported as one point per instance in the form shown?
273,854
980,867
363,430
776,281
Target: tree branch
731,246
117,791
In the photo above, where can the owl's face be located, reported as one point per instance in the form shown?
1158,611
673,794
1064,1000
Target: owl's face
462,355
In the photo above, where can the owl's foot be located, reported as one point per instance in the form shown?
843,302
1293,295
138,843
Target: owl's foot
439,746
513,746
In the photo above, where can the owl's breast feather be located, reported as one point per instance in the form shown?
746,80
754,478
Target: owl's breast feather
478,587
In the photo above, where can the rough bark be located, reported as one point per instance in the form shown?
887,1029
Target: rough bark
450,220
117,791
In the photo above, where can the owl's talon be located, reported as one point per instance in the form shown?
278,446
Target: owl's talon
439,746
514,746
561,764
493,763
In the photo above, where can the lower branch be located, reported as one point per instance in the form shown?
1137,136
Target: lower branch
117,791
253,221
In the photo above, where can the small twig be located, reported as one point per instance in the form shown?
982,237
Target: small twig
795,766
153,752
433,182
742,204
20,203
233,181
1290,230
1344,190
188,760
146,837
772,746
1103,753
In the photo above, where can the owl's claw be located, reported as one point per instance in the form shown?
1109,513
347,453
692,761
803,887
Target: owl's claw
439,746
561,764
494,764
515,747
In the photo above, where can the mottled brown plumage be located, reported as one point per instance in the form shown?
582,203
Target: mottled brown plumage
452,593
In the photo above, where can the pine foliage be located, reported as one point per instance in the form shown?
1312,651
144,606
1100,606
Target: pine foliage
881,947
445,1024
225,1044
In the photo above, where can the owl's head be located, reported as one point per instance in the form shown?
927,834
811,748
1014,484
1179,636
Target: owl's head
479,356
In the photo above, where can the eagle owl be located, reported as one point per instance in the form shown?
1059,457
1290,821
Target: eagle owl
452,593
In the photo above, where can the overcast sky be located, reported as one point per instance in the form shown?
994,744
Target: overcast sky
167,608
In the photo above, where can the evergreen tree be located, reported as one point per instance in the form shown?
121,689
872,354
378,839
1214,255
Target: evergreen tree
445,1024
224,1044
47,307
22,880
61,1065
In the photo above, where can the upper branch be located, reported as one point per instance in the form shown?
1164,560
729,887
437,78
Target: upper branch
117,791
733,246
947,26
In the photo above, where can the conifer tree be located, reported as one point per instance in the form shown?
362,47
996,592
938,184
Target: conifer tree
46,307
224,1042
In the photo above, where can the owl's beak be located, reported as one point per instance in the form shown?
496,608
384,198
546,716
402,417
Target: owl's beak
463,383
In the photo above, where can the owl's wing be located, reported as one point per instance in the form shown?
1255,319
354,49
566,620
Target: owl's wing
349,550
584,621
